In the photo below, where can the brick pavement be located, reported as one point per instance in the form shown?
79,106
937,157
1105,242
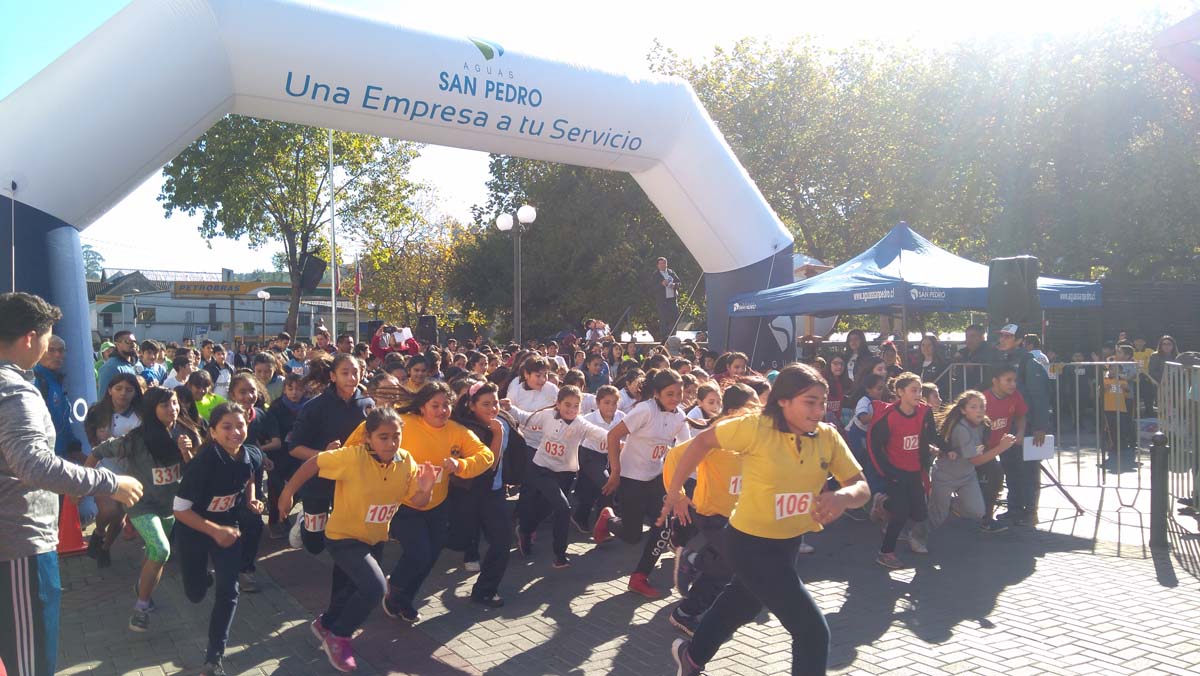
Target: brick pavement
1023,602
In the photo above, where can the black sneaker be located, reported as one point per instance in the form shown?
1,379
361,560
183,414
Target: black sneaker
562,562
212,669
684,622
993,526
683,663
95,544
103,558
493,601
137,594
397,611
139,621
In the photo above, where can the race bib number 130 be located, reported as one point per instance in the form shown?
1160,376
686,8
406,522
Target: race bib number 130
792,504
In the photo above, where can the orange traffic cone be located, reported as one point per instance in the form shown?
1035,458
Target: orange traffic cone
70,535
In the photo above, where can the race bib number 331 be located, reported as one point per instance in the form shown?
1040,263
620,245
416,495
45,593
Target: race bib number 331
792,504
166,475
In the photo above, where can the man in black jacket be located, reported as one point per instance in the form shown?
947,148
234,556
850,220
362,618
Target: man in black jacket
664,287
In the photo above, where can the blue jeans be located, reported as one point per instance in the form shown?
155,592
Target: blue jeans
764,574
422,535
194,550
30,597
358,585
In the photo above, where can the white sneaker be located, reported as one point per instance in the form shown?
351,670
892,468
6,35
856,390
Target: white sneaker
917,546
805,548
471,566
294,539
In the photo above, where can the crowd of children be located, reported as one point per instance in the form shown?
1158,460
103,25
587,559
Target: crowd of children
693,453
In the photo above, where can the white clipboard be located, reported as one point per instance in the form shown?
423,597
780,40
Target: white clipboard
1043,452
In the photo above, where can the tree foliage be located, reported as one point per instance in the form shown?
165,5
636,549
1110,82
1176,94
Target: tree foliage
1079,150
268,181
93,262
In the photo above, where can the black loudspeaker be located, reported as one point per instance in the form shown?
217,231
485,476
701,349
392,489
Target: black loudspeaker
312,269
427,329
1013,295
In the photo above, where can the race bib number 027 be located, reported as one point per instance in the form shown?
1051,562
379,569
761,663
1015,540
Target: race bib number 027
381,513
792,504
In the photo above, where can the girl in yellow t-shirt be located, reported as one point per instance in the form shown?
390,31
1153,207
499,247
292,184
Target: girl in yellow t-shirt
370,482
718,485
787,455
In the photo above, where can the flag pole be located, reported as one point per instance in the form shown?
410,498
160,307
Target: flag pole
357,293
332,247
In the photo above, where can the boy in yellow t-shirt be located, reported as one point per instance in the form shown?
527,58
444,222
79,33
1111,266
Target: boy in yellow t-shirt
370,483
1119,430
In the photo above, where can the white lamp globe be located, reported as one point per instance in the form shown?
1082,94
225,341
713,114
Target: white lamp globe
526,214
504,222
264,295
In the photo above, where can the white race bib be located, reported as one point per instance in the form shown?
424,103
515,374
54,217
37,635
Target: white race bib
659,452
438,470
163,476
381,513
315,523
223,503
788,505
735,485
912,442
554,449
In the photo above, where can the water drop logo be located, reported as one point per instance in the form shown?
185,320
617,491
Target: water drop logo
489,48
914,293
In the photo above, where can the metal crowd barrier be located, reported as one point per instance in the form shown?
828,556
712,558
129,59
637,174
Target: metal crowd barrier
1179,419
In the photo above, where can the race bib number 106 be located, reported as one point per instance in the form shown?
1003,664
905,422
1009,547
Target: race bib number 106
792,504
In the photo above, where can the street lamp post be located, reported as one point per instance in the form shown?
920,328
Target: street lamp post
504,222
374,310
264,296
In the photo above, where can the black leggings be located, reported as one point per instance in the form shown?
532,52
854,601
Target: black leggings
905,502
593,474
641,502
544,487
764,574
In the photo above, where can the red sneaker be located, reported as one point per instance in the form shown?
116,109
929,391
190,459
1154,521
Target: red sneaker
340,654
600,533
638,584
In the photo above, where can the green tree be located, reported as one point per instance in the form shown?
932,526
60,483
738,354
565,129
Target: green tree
93,262
268,181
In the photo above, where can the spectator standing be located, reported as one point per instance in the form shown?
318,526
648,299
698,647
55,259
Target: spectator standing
974,351
857,351
931,365
665,285
124,356
220,371
49,379
1023,476
148,367
30,475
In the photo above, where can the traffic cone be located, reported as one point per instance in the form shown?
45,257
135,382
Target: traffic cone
70,535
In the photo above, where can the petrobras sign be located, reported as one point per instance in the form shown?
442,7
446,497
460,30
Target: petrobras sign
464,94
926,293
868,296
744,307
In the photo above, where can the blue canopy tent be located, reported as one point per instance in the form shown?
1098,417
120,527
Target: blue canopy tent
902,271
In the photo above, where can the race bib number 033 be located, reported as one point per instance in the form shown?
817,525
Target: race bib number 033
554,449
381,513
792,504
166,475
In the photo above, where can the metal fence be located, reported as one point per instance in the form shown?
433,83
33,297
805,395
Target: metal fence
1179,419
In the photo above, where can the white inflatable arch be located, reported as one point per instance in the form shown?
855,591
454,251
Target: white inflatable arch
116,107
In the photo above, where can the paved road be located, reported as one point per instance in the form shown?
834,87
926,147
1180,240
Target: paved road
1023,602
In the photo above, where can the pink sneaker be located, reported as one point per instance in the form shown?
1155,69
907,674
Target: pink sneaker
319,630
340,654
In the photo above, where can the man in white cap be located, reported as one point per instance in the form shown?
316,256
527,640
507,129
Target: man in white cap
1023,477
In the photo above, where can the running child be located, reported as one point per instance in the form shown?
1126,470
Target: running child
283,413
593,462
370,482
629,385
1006,409
954,483
155,455
652,428
552,472
216,486
899,441
262,434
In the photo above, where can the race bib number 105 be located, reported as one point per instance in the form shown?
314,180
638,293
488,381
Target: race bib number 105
381,513
792,504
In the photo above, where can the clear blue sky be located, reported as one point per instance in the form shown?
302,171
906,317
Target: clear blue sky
35,32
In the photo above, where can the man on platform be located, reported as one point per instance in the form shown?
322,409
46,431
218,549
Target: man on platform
664,285
30,475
